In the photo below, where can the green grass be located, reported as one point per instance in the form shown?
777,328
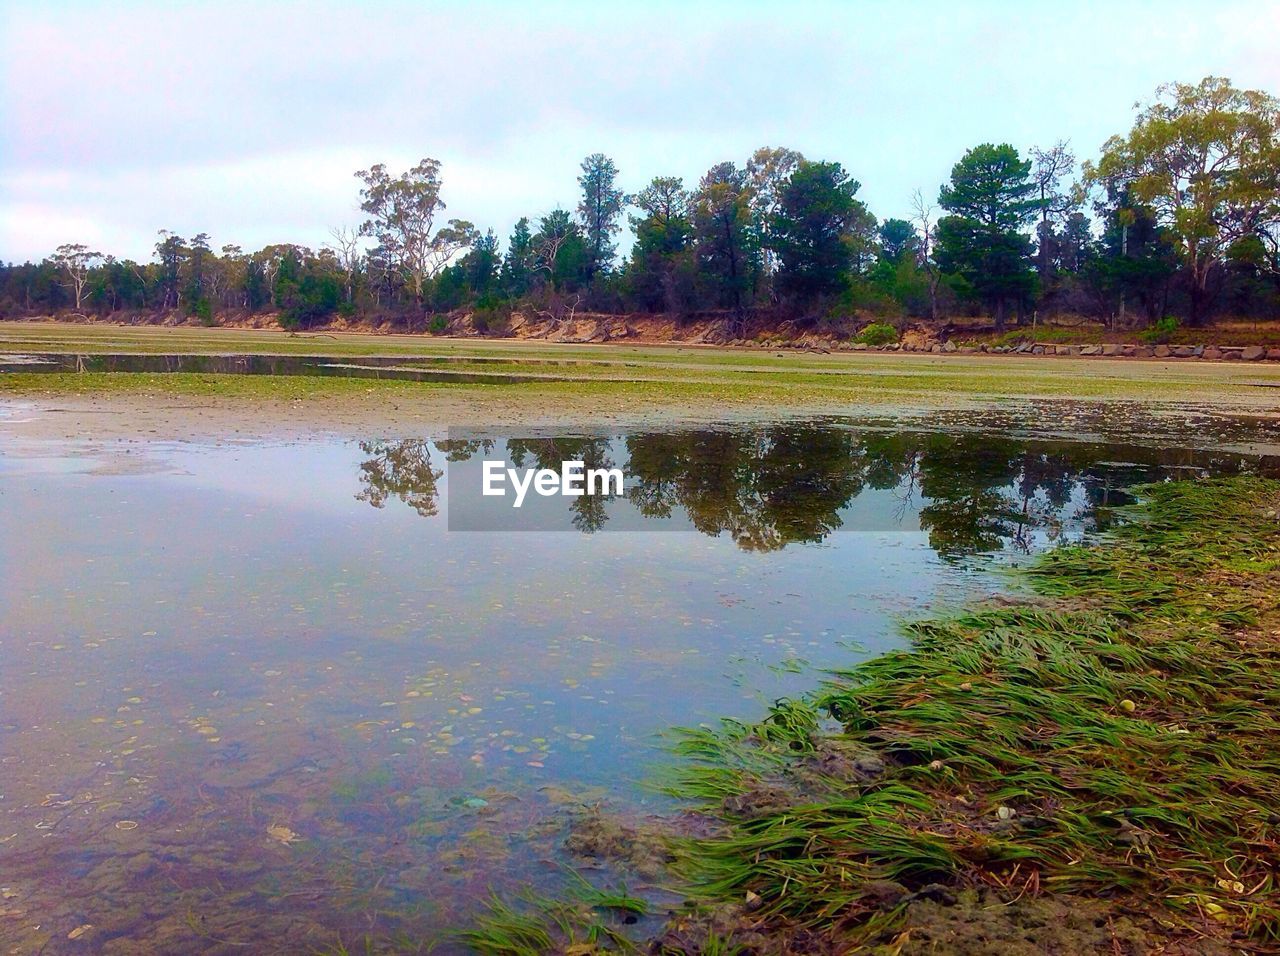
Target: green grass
1113,740
761,379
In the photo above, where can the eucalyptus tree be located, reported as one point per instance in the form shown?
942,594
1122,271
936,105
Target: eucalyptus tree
76,261
1205,158
402,214
1049,168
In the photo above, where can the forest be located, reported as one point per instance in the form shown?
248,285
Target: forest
1175,221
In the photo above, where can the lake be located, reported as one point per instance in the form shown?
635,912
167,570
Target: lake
318,692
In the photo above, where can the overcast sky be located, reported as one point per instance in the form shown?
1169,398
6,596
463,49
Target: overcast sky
247,121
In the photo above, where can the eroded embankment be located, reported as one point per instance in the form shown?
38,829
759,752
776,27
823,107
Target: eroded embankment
1091,769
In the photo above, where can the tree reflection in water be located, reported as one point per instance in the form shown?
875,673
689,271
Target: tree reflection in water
770,486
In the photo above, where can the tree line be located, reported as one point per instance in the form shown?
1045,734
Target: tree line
1179,216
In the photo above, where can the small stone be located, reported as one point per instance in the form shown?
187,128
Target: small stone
1128,706
966,686
1006,813
935,765
754,901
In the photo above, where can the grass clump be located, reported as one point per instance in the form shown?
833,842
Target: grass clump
1108,749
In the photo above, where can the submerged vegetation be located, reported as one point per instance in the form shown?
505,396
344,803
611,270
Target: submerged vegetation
1091,767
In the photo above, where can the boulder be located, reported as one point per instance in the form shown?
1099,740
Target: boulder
1050,350
859,346
1110,349
1182,351
1068,350
1273,354
1143,351
1091,350
1129,351
949,347
1212,352
1251,353
1163,351
1037,350
1198,351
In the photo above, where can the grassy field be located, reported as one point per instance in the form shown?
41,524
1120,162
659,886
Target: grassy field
623,374
1092,770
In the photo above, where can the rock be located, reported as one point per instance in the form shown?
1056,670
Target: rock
1198,351
966,349
935,347
1182,351
1129,351
1110,349
859,346
1050,350
1037,350
1068,350
1231,353
1273,354
1091,350
1143,351
1163,351
1212,352
869,764
1252,353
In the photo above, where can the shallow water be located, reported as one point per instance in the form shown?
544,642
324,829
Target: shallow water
270,696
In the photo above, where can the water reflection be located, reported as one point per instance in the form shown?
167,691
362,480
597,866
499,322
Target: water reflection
266,700
772,486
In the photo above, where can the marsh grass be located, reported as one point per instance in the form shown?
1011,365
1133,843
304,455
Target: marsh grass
1117,743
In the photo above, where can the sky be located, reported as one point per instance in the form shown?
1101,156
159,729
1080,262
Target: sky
247,121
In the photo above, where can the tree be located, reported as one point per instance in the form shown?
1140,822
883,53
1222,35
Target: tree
518,265
991,198
346,250
599,211
898,238
819,230
659,257
76,260
1206,159
727,243
171,252
1049,168
560,250
402,212
925,220
768,171
481,264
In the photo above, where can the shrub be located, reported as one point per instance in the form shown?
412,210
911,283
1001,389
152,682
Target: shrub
877,333
439,323
1161,332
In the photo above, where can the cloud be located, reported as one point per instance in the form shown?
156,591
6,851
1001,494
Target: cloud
247,120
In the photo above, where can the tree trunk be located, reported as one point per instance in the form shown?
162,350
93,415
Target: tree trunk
1000,320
